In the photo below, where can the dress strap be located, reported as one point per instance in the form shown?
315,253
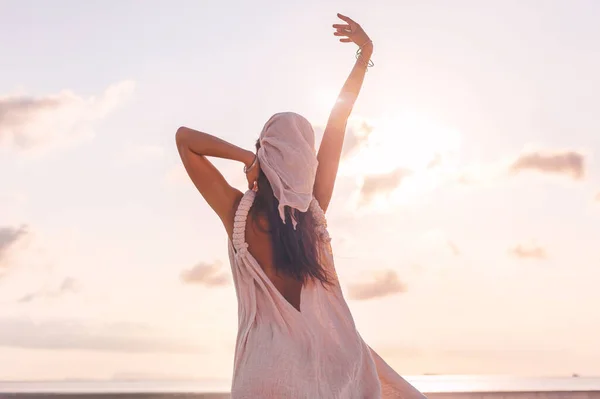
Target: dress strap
320,220
239,222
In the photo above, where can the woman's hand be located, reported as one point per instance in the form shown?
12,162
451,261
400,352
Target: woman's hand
252,172
351,32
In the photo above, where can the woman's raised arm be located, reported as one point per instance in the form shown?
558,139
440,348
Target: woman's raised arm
333,137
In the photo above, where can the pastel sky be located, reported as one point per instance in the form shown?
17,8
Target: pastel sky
466,216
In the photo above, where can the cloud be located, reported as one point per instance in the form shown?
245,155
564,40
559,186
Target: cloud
533,252
67,286
28,122
384,284
567,163
206,274
598,197
455,250
383,183
65,334
9,238
465,179
435,161
356,135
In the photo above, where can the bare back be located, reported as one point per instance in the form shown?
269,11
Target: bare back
261,247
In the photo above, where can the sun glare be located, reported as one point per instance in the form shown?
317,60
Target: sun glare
414,142
407,140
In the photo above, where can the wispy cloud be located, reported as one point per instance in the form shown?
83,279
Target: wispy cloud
28,122
9,237
435,161
208,274
598,197
356,135
383,183
531,252
465,179
569,163
66,334
68,286
384,284
454,248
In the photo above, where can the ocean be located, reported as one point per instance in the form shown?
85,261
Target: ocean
426,383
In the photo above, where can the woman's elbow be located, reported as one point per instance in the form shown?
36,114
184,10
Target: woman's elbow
180,135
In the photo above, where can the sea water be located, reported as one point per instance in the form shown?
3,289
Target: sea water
425,383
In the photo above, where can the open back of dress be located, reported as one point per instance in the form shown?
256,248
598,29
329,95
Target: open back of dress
313,353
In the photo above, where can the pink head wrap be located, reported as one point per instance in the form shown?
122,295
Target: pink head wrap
288,159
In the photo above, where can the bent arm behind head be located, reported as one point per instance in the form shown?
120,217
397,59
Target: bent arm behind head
194,147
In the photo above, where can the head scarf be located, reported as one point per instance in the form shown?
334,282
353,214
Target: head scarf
287,157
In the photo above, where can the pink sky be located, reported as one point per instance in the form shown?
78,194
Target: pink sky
466,213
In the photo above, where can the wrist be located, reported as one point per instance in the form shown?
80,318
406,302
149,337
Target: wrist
364,53
367,53
366,47
248,158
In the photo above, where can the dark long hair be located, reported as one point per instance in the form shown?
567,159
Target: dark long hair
296,252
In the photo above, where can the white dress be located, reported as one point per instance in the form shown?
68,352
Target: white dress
313,353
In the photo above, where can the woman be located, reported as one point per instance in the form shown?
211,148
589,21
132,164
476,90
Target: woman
296,336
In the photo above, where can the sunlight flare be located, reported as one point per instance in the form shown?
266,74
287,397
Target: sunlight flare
409,141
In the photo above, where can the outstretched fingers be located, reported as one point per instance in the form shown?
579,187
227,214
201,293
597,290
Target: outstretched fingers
343,30
346,19
344,36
